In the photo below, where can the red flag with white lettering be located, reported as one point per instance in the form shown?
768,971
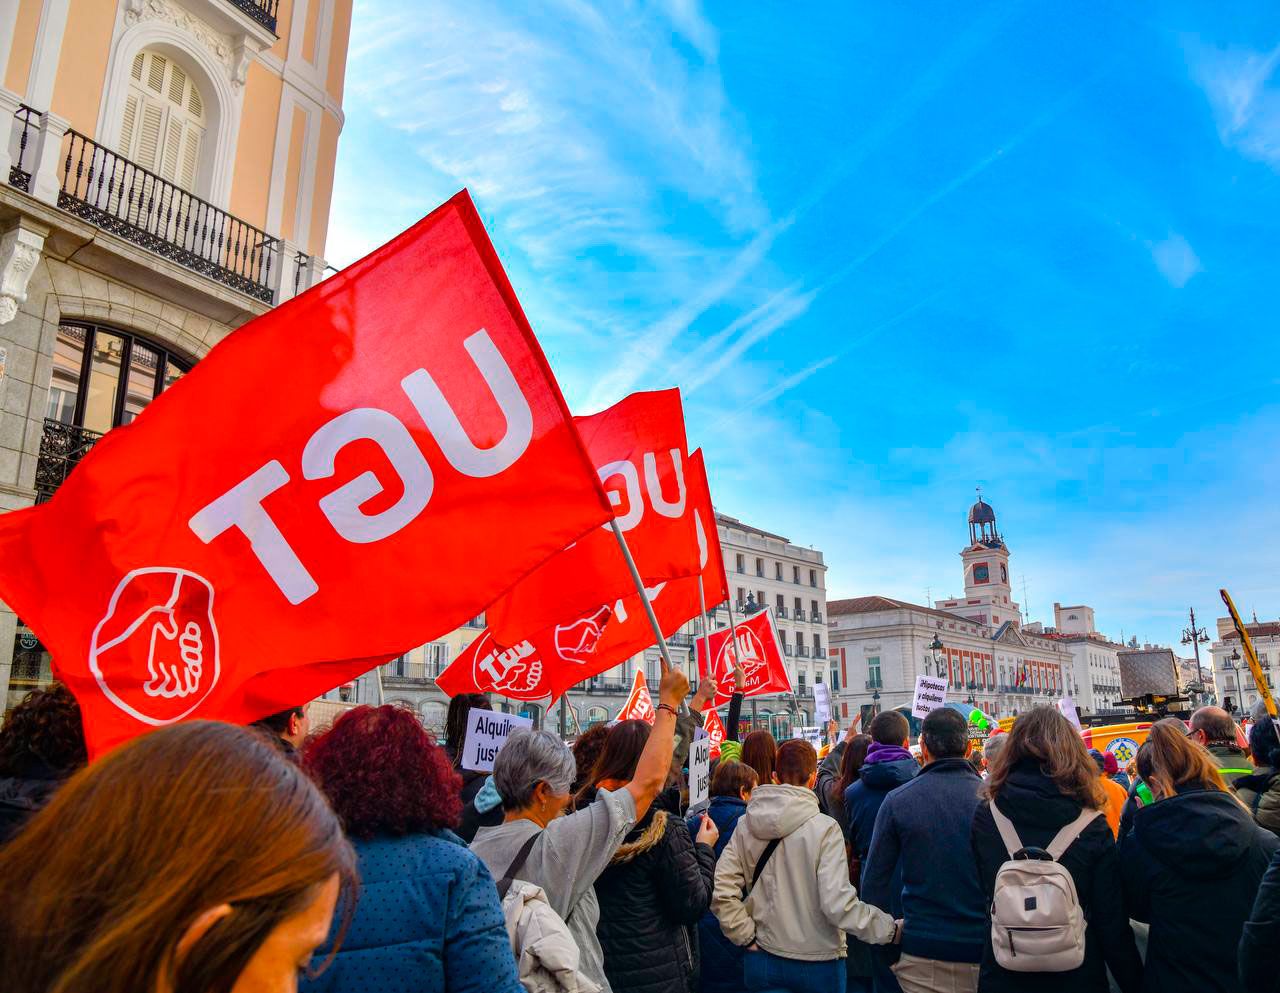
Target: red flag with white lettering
344,478
548,663
759,650
638,448
639,705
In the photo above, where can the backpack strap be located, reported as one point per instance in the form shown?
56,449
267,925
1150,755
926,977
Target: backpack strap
1064,838
767,854
1008,833
516,865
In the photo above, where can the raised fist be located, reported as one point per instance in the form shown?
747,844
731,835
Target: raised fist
155,653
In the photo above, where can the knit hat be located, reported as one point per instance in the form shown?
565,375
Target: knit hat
1098,758
1110,765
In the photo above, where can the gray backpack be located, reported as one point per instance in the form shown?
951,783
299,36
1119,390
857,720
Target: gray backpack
1036,921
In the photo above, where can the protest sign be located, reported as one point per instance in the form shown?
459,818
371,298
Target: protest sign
813,735
699,771
931,693
206,560
487,732
821,703
1068,708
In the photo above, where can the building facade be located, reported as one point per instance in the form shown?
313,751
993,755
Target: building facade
763,568
1233,683
166,170
879,646
1095,661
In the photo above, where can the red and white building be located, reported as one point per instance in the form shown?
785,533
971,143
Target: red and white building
879,645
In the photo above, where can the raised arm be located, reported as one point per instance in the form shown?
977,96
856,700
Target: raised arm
655,760
735,702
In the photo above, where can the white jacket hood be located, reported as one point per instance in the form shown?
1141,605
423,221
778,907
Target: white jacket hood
778,811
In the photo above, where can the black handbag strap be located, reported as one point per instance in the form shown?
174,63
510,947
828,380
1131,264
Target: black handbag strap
767,854
516,865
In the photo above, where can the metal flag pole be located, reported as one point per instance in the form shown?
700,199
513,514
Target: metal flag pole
733,633
377,672
1251,657
644,596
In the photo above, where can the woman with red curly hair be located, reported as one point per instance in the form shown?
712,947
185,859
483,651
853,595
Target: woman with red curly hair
427,916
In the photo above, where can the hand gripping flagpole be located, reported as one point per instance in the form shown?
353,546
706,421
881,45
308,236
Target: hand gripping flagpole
644,596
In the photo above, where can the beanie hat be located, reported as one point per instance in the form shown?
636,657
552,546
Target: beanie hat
1110,765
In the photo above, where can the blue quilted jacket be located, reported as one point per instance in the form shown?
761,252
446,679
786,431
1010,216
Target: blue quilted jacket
428,918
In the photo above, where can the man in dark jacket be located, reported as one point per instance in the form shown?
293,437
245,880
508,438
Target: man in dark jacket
887,766
922,833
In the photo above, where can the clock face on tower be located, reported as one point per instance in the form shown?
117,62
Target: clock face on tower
981,573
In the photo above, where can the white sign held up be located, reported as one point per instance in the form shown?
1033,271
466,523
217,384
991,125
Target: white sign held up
1068,708
931,693
821,702
699,771
487,732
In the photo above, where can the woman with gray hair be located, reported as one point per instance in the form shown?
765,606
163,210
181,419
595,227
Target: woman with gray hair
564,855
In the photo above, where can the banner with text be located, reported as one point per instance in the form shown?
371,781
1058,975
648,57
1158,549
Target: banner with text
207,559
757,648
487,732
699,771
931,693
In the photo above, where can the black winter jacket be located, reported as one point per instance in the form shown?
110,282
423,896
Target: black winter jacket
1030,799
1261,938
651,897
21,797
1191,869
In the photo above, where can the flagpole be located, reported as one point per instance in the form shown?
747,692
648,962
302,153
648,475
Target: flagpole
644,596
733,633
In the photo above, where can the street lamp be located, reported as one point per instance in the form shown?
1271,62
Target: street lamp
1232,662
936,647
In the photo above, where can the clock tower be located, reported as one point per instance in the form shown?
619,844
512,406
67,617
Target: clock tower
988,595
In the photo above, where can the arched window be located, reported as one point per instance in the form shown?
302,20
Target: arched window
433,717
164,119
103,377
597,715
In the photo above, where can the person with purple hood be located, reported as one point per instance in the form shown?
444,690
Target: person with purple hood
887,766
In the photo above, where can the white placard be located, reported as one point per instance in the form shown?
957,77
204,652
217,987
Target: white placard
812,735
699,771
1068,708
821,703
931,693
487,732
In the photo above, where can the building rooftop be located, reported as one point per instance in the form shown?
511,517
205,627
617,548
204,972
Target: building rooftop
1262,629
874,604
733,522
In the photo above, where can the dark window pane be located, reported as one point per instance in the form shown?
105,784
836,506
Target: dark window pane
143,365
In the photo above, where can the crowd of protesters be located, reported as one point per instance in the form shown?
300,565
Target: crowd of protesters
205,857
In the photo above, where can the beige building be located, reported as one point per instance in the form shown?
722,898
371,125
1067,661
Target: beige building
166,170
763,569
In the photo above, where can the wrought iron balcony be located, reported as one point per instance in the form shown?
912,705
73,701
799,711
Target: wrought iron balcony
401,672
62,446
19,174
111,192
262,11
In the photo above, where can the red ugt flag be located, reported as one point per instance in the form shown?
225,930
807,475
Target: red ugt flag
556,658
227,557
639,705
638,447
758,649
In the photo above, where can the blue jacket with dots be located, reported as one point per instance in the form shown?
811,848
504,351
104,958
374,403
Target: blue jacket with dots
427,918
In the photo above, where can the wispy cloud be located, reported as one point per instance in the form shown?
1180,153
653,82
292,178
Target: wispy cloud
1244,93
1175,259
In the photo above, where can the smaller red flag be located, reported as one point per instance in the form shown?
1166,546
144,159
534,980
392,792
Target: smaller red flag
639,705
759,650
714,727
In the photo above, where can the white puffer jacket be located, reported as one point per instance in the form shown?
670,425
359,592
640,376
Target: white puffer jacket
803,903
546,954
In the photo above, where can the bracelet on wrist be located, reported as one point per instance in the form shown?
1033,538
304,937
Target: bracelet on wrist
668,707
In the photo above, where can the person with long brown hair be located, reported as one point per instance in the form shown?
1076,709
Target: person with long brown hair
760,751
428,915
192,859
657,885
1191,866
1041,782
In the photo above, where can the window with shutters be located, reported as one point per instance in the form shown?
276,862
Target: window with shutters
164,120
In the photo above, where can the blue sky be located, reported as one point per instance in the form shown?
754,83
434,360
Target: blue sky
889,252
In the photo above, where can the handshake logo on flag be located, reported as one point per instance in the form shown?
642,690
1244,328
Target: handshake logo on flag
155,653
749,653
